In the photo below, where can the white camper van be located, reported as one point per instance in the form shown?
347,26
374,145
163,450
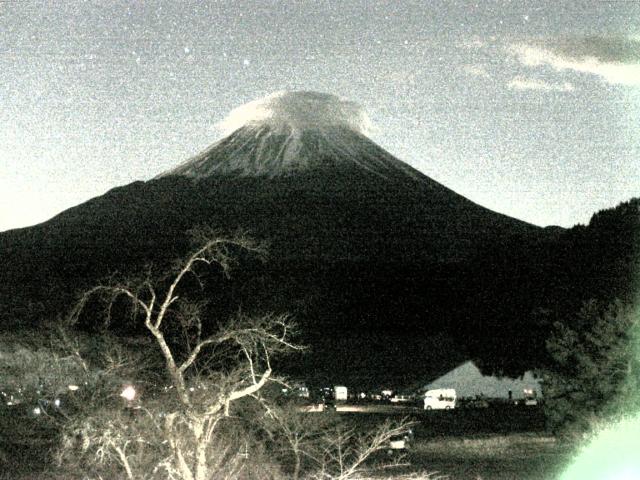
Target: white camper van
440,399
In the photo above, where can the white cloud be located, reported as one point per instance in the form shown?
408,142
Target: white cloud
477,71
521,83
298,111
611,71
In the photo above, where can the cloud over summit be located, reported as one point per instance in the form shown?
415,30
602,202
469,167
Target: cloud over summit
298,111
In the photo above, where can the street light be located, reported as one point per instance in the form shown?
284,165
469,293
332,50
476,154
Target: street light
128,393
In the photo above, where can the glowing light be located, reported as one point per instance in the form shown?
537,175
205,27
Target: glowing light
73,388
37,411
612,455
129,393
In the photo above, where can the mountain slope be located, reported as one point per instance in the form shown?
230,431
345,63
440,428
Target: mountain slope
381,265
263,151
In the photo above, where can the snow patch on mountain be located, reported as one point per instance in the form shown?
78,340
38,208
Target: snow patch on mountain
294,112
289,132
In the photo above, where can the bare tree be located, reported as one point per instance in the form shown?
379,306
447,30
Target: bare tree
321,446
207,375
296,434
345,452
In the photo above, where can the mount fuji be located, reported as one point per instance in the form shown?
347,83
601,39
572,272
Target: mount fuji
388,272
306,155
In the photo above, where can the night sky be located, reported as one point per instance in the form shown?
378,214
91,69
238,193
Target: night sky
528,108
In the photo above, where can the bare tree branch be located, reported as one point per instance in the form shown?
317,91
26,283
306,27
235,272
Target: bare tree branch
189,426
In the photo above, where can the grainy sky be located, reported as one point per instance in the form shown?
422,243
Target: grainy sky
528,108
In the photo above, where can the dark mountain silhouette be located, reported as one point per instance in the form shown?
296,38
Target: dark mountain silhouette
390,274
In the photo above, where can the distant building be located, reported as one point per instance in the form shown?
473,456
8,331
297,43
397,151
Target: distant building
468,381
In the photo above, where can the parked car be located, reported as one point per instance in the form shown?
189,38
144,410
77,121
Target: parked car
475,403
401,399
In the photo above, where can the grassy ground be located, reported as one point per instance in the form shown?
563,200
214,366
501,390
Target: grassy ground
493,457
457,422
25,443
499,443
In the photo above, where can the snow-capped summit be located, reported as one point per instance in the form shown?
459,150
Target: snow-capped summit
289,132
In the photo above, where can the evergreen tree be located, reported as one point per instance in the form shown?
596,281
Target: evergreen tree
595,370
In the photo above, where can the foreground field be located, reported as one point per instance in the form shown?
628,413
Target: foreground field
494,457
503,443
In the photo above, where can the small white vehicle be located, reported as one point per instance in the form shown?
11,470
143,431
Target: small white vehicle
440,399
400,399
340,393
